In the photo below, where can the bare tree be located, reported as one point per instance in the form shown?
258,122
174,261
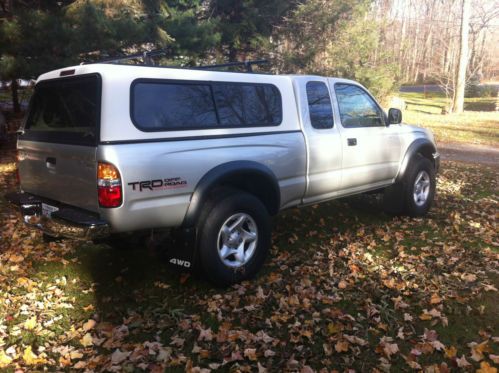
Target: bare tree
458,100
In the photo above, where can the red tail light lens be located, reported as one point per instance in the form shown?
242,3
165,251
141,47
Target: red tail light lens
109,185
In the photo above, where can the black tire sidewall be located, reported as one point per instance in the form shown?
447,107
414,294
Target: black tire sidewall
213,267
419,164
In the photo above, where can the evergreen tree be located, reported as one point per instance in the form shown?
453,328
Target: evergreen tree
38,36
246,25
336,38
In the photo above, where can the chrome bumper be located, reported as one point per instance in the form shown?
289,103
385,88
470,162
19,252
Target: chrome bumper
66,222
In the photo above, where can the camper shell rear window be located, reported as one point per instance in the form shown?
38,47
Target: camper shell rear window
65,110
172,105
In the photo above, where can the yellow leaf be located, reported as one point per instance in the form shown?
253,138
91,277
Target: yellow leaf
30,324
75,355
87,340
30,358
425,316
450,352
486,368
4,359
333,328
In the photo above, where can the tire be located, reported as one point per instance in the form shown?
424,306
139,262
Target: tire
419,186
234,237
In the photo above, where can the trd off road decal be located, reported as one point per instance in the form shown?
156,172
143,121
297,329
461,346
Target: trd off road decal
159,184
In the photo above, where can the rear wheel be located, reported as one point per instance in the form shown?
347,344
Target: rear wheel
234,238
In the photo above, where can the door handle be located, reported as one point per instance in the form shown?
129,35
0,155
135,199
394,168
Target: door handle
352,142
51,162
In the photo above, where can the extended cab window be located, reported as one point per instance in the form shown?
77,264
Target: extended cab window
65,111
248,104
357,108
160,106
163,106
319,105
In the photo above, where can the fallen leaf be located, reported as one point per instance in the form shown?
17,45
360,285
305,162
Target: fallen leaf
14,258
80,365
89,325
119,356
250,353
390,349
87,340
4,359
341,346
486,368
450,352
30,323
342,284
30,358
462,362
435,299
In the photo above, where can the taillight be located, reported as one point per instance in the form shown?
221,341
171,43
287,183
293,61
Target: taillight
109,185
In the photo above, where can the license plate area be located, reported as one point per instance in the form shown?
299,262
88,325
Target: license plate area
47,210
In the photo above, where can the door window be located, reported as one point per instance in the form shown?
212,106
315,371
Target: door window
357,108
319,105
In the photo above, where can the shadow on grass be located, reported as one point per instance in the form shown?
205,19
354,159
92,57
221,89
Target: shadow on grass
480,106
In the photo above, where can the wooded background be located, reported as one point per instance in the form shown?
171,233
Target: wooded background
381,43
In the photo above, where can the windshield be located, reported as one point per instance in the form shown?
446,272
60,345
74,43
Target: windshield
65,111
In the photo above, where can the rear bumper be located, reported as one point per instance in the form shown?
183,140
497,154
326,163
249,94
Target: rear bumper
67,222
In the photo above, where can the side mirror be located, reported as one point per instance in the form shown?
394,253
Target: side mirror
394,116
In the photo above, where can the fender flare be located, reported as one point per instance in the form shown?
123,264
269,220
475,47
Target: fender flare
223,174
421,145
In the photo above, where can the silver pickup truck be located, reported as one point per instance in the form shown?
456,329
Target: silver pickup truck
109,148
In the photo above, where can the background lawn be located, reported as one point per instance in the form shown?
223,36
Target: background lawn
479,124
345,287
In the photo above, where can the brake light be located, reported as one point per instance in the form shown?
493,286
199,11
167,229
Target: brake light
109,185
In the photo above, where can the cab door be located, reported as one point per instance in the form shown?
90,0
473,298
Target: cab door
322,138
370,148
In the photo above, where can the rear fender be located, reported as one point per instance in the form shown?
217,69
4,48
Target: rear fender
248,176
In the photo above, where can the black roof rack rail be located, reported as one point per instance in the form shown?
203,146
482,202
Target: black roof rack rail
147,60
146,56
247,64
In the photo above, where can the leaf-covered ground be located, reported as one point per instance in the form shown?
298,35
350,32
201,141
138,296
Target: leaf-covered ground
346,288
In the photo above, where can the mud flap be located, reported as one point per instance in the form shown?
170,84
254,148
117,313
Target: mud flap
393,199
181,249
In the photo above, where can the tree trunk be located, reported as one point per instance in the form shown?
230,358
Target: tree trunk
15,96
458,102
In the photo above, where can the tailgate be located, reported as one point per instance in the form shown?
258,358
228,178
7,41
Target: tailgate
57,151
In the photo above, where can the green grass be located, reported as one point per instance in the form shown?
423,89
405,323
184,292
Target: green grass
479,124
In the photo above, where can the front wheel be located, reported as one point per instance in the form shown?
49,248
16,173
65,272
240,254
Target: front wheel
420,187
413,195
234,238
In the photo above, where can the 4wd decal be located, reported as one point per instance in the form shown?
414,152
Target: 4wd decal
180,262
159,184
